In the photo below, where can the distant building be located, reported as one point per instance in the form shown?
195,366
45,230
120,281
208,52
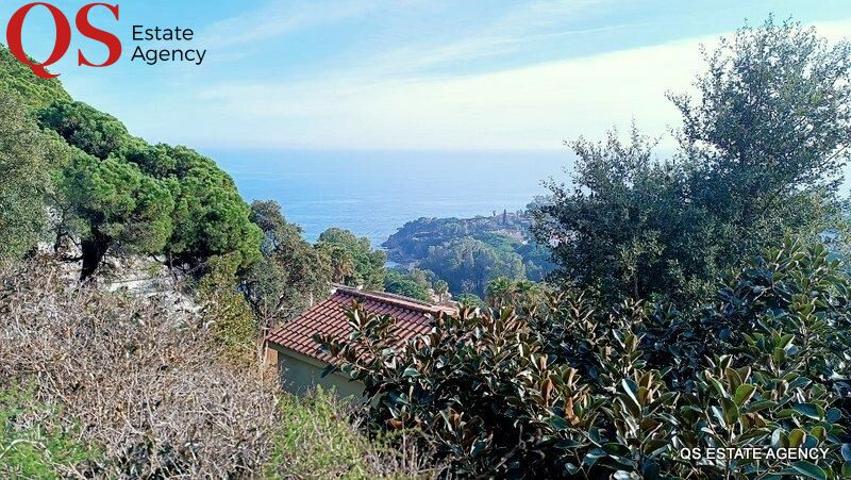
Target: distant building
300,362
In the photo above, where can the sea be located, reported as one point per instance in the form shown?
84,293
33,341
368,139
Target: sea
373,194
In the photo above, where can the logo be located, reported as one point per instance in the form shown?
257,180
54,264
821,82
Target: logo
62,38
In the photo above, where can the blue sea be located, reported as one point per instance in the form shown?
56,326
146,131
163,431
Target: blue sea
374,193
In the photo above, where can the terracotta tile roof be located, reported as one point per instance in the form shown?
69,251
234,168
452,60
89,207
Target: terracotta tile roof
329,318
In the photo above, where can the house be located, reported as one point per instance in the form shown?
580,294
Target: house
300,362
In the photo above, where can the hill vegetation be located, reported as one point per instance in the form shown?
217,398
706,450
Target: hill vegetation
16,78
468,253
692,302
102,385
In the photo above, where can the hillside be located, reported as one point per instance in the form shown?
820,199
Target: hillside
469,252
135,283
695,324
16,77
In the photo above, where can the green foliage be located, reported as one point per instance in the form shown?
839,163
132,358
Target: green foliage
352,259
17,78
518,293
469,300
761,149
225,309
153,199
415,283
772,114
210,218
27,156
468,264
505,235
34,444
82,126
119,205
574,390
317,441
291,275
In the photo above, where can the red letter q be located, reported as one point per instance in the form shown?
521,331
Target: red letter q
60,46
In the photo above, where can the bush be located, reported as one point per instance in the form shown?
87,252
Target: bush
226,310
36,442
118,387
140,377
573,390
318,442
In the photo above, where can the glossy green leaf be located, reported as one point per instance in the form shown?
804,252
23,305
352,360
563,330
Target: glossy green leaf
744,393
808,470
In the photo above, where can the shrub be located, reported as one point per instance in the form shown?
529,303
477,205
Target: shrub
573,390
36,442
319,442
118,387
140,377
226,310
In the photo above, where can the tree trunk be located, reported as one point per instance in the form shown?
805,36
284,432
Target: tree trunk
94,249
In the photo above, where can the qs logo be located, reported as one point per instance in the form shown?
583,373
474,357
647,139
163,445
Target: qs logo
62,39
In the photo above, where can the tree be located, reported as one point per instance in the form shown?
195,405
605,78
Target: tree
352,259
149,199
468,264
772,116
120,205
517,293
210,217
82,126
31,91
761,152
291,275
413,283
27,156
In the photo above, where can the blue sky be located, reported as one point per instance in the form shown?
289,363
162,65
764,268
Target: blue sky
409,74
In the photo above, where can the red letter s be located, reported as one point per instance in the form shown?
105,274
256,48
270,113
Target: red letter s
63,38
111,41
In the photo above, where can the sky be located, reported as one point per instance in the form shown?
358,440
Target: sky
431,75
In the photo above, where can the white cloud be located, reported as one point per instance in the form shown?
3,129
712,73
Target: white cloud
533,107
525,108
